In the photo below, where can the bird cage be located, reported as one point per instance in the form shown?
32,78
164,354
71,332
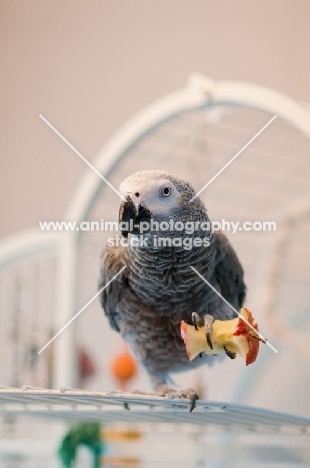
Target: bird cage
193,133
29,299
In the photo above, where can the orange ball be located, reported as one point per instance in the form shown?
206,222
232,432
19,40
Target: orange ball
123,367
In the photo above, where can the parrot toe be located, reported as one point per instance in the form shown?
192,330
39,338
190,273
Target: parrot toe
191,395
208,320
206,323
188,393
230,354
197,320
163,390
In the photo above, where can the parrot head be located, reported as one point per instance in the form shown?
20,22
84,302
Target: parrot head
158,196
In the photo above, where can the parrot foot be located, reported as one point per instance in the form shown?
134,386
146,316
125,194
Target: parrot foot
230,354
188,393
207,323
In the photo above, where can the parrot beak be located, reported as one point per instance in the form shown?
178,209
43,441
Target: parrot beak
132,216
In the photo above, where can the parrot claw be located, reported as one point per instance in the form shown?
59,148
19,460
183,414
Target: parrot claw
197,320
230,354
208,320
193,400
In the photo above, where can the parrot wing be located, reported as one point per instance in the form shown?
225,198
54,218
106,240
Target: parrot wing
229,272
113,260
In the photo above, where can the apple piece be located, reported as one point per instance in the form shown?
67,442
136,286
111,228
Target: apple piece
236,335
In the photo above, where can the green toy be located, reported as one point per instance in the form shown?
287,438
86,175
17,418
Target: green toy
85,433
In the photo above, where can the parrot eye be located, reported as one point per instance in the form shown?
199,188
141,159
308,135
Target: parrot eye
166,191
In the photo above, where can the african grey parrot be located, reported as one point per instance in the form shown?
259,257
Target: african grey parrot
148,300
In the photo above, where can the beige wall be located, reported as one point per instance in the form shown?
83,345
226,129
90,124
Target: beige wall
89,65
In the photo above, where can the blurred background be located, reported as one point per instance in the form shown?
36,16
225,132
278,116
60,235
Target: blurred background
88,67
